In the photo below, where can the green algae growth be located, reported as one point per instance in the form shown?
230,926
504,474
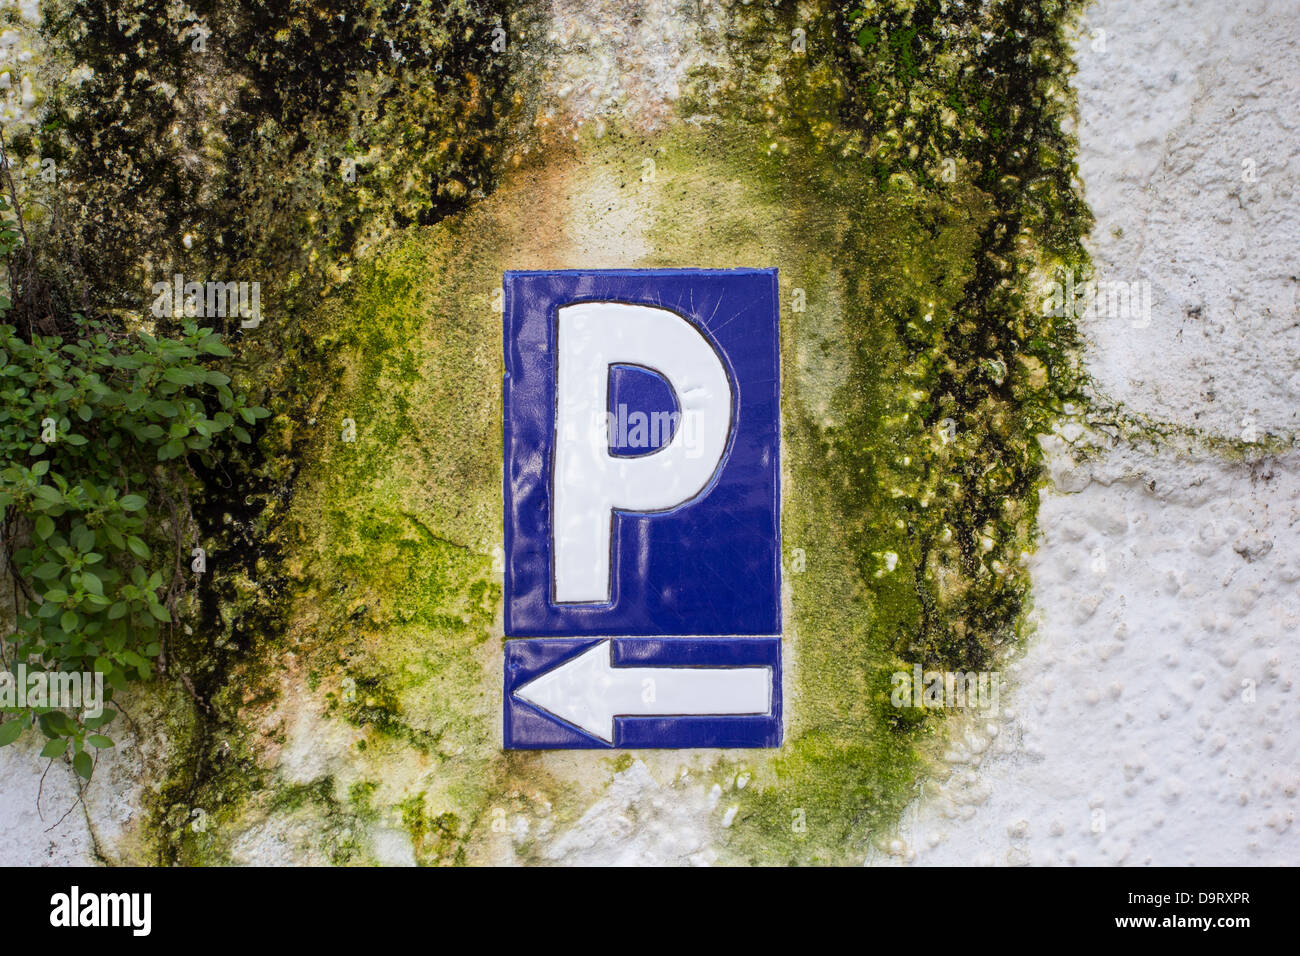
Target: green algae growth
904,168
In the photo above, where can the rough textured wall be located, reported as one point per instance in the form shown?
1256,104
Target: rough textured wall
904,167
1153,711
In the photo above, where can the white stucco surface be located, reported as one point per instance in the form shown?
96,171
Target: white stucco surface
1189,139
1151,718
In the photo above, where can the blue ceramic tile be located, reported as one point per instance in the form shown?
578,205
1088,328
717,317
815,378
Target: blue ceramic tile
691,592
532,727
712,567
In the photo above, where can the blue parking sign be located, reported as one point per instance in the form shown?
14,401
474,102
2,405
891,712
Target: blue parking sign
642,536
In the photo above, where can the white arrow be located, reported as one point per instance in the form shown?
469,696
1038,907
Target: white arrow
589,692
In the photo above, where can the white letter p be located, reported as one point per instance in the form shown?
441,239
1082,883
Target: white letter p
589,483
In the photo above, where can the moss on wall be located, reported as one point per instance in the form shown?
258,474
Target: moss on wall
905,169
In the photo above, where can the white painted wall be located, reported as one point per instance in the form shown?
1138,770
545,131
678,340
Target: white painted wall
1166,578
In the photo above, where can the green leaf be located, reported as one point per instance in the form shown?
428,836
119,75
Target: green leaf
44,526
132,502
9,731
56,723
99,740
83,765
180,376
211,345
172,449
55,748
94,723
160,612
48,494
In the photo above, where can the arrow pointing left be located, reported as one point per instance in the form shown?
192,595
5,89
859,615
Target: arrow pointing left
588,691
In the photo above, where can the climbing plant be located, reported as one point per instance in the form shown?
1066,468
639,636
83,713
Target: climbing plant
98,425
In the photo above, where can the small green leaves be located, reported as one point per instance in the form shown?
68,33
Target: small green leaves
85,421
83,539
174,448
211,345
94,723
56,723
46,497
